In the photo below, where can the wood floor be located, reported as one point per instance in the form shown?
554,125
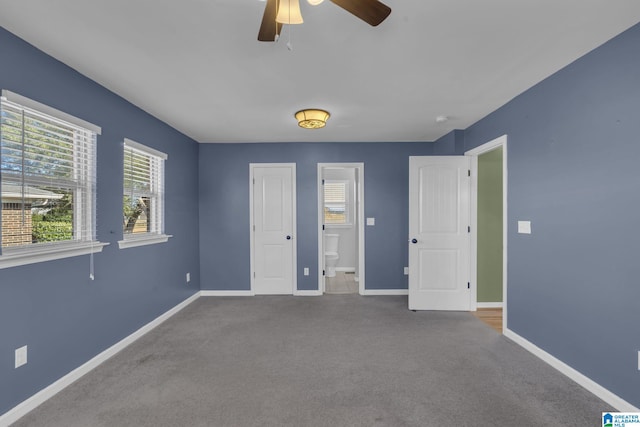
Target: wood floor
490,316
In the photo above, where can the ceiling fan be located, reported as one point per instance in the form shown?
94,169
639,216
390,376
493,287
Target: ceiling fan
372,12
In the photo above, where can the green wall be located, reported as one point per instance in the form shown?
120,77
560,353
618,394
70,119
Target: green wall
490,226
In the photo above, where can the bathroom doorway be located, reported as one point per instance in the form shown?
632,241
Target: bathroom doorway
341,228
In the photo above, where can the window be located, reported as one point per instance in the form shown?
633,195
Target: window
143,195
48,176
336,202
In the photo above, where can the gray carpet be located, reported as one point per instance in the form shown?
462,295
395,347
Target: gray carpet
336,360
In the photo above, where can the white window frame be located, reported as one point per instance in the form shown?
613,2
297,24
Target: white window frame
347,205
83,242
157,179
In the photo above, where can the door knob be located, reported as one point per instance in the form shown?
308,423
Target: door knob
288,237
414,241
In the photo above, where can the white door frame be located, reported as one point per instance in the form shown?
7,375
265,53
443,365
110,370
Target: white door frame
360,200
294,261
474,153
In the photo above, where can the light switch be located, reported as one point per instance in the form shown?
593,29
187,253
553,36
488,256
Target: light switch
306,271
371,221
524,227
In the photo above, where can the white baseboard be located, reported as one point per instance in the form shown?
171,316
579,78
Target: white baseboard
489,305
226,293
595,388
48,392
371,292
305,293
251,293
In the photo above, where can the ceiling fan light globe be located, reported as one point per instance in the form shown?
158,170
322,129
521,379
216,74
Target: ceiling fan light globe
314,2
289,12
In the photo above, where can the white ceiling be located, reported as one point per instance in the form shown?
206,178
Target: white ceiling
197,64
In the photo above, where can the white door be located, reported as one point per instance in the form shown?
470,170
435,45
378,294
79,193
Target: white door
273,226
439,220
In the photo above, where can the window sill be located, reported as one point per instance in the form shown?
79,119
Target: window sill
23,256
152,239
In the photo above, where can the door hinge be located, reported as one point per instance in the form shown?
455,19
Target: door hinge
468,229
468,172
254,274
254,228
323,182
323,272
468,285
322,227
254,181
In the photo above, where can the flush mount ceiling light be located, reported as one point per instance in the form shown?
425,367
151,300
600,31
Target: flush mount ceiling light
312,118
314,2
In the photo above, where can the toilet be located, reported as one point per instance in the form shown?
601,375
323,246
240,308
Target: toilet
331,254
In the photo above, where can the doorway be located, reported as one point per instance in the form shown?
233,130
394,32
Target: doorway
489,227
273,223
341,260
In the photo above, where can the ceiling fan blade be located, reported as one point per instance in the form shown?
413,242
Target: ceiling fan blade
370,11
269,28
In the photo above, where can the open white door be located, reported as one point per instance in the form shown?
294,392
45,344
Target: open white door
273,226
439,220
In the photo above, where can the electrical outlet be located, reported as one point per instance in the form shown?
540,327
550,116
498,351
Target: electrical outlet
306,271
406,271
21,356
188,277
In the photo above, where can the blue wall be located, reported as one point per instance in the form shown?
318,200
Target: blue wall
450,144
53,307
573,284
573,151
224,208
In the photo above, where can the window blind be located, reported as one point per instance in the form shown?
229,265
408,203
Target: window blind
143,195
335,202
335,192
48,177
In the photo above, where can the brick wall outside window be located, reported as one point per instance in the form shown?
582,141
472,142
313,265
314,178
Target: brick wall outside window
14,233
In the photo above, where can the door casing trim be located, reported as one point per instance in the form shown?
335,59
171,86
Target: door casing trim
474,153
360,199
